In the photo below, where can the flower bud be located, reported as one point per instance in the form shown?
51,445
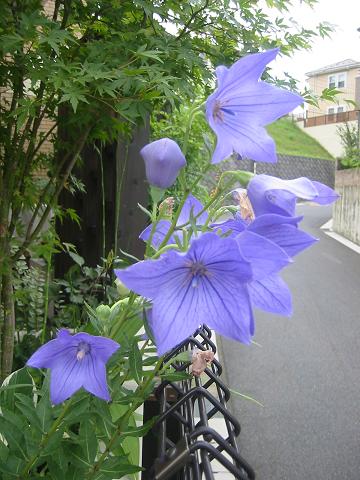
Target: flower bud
163,160
166,207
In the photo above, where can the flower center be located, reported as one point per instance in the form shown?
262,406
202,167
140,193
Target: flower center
82,349
218,114
197,271
219,109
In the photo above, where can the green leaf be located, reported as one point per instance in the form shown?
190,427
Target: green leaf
88,440
44,413
30,414
21,379
77,258
135,363
116,467
140,431
13,436
12,467
175,376
182,357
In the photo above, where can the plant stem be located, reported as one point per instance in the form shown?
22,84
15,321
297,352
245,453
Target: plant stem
46,299
26,470
124,419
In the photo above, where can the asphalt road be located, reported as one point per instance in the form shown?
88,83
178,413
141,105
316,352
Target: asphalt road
306,372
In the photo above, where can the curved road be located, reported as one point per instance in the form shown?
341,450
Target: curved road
307,370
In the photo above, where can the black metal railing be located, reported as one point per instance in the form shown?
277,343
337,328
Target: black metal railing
182,445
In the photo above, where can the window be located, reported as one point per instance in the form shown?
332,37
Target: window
338,109
337,80
332,81
341,80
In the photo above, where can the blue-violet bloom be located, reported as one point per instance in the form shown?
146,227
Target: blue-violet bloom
279,229
267,290
192,208
76,361
269,194
243,104
207,284
270,292
163,161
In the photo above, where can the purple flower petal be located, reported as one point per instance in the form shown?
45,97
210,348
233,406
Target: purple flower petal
163,161
193,207
53,351
162,229
234,225
264,256
75,361
101,347
326,195
66,378
191,204
269,194
95,378
282,231
272,295
193,288
242,105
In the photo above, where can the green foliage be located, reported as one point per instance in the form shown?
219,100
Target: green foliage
174,126
349,135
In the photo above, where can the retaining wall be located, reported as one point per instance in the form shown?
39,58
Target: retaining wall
346,213
288,167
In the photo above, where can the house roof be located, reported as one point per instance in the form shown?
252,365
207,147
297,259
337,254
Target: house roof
335,67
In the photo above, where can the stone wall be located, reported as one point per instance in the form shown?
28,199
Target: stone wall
288,167
346,213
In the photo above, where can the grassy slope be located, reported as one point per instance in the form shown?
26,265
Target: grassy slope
291,140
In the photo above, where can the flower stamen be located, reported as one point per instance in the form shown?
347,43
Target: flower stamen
82,349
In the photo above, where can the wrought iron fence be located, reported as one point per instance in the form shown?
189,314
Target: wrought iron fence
183,445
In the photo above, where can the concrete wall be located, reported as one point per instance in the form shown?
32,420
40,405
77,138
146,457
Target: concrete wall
346,213
319,82
327,136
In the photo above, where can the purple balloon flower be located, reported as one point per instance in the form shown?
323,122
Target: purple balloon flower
270,293
267,290
75,361
163,161
208,284
242,105
277,228
192,207
269,194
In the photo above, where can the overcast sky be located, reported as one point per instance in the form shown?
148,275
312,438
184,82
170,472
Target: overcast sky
343,44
